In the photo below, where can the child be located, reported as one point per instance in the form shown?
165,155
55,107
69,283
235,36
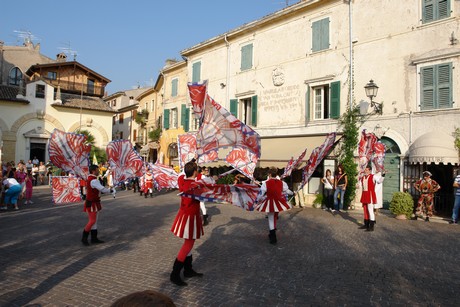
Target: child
29,187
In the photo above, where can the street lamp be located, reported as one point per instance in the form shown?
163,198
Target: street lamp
371,91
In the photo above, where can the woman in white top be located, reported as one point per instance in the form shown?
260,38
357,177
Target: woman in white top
328,191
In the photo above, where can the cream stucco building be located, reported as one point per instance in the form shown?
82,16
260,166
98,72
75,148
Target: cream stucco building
291,74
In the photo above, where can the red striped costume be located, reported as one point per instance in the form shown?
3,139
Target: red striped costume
93,199
275,200
188,224
148,183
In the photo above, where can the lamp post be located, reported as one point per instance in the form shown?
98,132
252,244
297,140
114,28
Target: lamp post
371,91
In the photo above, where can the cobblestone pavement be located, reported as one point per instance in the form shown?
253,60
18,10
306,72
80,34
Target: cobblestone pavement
321,259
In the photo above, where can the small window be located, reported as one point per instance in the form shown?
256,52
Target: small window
185,117
433,10
121,135
196,72
114,120
246,57
325,100
245,110
90,86
173,118
52,75
40,91
320,35
15,77
120,119
174,84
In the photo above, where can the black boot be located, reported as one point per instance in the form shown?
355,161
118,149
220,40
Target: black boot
427,219
272,236
84,238
188,271
205,220
371,226
175,274
151,195
94,238
365,226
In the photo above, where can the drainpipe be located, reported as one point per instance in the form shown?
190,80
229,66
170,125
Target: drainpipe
228,70
350,30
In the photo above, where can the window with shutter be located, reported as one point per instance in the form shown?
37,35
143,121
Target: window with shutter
320,35
436,87
196,72
234,107
254,110
174,84
335,99
246,57
433,10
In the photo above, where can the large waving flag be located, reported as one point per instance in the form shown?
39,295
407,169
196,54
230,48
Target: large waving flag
365,150
293,164
240,195
316,156
219,128
70,152
164,177
65,189
242,160
379,156
124,161
187,150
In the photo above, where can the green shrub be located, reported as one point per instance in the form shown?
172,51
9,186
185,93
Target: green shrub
402,203
227,179
319,200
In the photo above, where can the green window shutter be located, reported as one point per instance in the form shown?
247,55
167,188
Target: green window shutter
166,119
246,57
187,120
234,107
444,85
183,109
307,105
335,99
320,35
443,10
427,88
174,87
196,72
254,110
428,11
316,36
325,34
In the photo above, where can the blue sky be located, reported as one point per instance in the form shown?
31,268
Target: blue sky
126,41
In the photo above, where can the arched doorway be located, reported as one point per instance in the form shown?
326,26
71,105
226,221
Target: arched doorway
392,177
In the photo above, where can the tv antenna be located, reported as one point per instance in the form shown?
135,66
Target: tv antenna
25,36
69,51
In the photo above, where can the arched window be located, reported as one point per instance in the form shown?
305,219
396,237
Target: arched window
391,145
15,77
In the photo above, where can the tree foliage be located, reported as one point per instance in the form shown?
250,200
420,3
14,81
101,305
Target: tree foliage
350,122
95,151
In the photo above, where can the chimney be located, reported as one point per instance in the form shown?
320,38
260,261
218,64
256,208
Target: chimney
61,57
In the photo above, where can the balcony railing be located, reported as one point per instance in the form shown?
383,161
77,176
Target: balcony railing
77,88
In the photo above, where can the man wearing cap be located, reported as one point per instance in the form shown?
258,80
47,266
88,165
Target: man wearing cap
427,187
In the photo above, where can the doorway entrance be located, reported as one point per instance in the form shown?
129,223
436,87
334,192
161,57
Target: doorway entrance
38,150
391,184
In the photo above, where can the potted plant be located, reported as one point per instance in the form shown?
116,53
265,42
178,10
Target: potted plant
319,200
402,205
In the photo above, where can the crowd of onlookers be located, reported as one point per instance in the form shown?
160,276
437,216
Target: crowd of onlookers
18,179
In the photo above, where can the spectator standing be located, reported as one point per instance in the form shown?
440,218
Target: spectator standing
456,209
35,173
29,188
35,161
328,189
41,173
29,165
427,187
340,186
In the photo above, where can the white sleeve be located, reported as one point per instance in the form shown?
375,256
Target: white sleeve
95,184
286,189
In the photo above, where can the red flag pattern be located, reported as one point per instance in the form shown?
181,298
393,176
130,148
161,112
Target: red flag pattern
70,152
124,161
66,190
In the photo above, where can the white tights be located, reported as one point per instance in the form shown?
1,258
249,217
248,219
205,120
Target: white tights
370,209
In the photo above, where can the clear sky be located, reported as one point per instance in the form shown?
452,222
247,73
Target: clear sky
126,41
